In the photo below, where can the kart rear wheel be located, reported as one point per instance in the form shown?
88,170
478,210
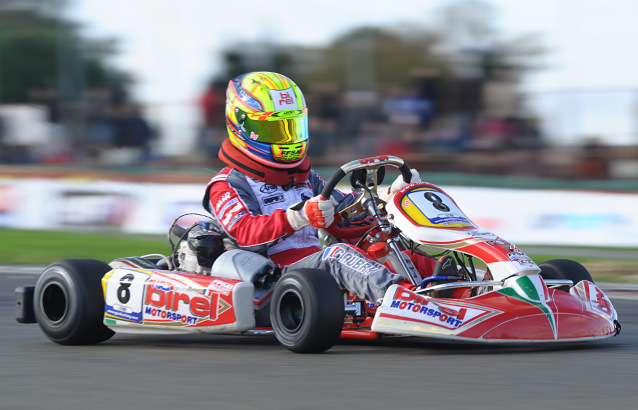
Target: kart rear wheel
564,269
307,311
68,302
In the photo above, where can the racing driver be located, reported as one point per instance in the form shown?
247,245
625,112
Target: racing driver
267,199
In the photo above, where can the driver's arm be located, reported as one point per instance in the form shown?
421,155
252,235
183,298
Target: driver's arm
243,224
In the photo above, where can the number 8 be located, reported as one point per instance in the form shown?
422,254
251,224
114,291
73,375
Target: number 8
436,202
123,292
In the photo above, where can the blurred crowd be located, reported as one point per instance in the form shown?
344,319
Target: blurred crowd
480,127
446,97
422,118
103,128
488,132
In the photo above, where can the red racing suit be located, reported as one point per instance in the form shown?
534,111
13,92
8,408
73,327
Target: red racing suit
252,213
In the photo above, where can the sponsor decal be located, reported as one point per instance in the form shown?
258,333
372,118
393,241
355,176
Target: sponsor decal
596,298
160,284
222,200
602,303
235,219
267,188
373,159
411,308
94,209
172,316
426,205
521,258
169,305
351,259
449,219
284,99
431,312
501,242
220,214
447,263
278,115
231,213
253,136
289,152
575,221
8,199
123,297
221,287
273,199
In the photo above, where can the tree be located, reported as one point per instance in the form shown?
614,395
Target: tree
41,50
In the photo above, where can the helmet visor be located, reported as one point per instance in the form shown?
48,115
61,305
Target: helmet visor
278,127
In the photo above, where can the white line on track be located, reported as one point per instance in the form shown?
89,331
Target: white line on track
21,269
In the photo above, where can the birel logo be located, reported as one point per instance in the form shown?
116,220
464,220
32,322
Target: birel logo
285,99
373,159
406,300
602,303
200,306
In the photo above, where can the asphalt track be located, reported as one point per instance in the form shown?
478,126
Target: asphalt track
236,372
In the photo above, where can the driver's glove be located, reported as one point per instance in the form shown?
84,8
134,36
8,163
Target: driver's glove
316,211
386,194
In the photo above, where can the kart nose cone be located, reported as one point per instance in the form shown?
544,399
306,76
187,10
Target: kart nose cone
583,314
568,327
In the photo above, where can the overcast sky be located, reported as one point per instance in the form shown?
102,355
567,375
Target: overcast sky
171,46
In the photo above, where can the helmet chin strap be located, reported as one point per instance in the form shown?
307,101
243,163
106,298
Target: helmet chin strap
233,157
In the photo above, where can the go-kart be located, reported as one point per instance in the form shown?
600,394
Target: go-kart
488,291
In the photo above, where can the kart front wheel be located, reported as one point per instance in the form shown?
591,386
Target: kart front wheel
68,302
307,311
565,269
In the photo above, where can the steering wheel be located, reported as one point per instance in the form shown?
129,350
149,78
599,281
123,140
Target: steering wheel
366,172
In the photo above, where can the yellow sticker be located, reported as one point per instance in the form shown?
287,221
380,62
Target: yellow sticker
428,206
289,152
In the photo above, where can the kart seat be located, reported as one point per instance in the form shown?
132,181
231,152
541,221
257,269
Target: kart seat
241,265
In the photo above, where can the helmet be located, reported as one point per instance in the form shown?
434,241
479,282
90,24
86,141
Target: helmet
267,118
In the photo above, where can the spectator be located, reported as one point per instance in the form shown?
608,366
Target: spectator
131,131
213,128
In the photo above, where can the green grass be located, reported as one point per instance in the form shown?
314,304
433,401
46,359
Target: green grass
22,247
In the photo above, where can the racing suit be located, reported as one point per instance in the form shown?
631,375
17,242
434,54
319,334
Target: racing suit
252,213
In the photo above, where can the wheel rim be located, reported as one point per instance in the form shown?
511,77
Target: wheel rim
291,311
54,302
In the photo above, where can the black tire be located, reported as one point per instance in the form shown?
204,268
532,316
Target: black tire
307,311
68,302
564,269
